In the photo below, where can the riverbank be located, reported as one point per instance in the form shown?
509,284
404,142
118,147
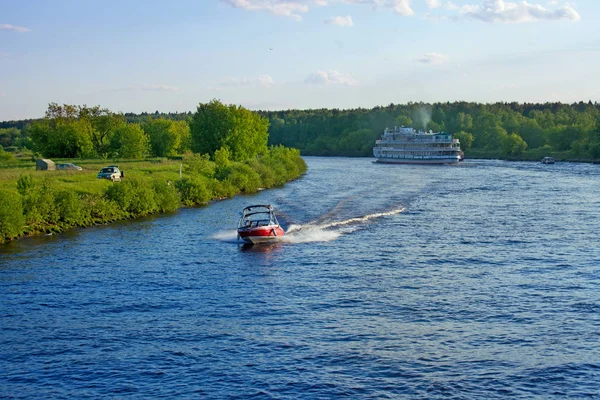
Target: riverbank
40,202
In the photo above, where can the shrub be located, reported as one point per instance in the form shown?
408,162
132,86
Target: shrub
71,208
4,156
12,219
193,191
24,184
133,197
103,210
166,196
143,202
38,205
244,178
222,189
197,164
120,193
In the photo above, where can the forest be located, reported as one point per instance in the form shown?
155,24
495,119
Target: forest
514,131
501,130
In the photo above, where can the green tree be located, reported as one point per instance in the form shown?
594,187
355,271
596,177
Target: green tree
466,139
129,141
513,144
403,120
242,132
164,135
9,136
61,137
104,124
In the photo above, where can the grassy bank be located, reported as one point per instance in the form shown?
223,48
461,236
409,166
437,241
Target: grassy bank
34,202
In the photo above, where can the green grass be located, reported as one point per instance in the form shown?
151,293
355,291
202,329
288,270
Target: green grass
33,202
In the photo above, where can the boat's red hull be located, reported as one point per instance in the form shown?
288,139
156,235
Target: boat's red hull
261,234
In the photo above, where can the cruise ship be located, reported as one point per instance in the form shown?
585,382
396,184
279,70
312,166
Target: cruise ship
403,145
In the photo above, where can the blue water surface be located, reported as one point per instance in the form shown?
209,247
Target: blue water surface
474,281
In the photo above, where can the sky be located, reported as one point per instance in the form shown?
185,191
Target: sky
148,55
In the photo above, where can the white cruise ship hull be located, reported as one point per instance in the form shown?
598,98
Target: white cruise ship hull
438,161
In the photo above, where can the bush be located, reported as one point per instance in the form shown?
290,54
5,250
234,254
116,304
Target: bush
197,164
71,209
4,156
222,189
12,219
24,184
103,210
38,206
243,178
166,196
121,194
193,191
133,197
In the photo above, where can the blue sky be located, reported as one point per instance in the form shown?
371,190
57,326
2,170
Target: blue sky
134,56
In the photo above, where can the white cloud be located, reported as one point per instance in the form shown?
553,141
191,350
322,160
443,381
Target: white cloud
330,77
294,8
340,21
287,8
432,3
402,7
266,81
506,12
432,58
14,28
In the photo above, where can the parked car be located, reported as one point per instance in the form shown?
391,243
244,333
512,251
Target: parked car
69,166
111,172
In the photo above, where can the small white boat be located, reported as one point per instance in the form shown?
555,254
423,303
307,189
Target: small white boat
547,160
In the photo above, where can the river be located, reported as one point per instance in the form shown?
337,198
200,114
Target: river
480,280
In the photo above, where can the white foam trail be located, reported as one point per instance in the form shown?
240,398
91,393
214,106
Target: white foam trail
225,236
308,234
361,219
319,232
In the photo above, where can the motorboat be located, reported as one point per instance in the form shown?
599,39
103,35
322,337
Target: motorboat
259,224
547,160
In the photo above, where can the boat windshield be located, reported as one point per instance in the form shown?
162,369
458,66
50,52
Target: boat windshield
257,216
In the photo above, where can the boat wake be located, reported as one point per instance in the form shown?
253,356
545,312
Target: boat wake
226,236
322,231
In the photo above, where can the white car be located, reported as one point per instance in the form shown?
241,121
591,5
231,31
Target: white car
111,172
68,166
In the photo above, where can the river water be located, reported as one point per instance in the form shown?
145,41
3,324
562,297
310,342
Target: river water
474,281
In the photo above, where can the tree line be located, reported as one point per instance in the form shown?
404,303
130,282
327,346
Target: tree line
509,130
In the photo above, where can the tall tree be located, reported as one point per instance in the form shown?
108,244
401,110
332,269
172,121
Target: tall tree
215,125
165,136
129,141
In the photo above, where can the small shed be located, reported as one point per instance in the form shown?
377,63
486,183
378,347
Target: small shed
43,164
